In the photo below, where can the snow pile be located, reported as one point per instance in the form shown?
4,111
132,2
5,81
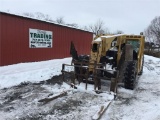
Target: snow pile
35,71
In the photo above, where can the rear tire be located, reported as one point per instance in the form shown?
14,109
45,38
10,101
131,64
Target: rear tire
130,75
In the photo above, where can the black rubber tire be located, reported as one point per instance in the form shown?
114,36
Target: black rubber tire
140,73
130,75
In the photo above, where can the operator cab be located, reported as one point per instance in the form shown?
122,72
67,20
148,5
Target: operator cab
135,43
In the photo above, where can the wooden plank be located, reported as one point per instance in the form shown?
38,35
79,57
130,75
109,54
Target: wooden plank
46,100
99,113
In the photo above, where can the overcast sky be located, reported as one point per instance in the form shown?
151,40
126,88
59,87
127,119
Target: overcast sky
130,16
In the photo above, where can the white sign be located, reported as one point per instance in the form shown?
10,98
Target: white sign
40,38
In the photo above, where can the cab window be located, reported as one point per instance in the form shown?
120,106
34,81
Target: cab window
95,47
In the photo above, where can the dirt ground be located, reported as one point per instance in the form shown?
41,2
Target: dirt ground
21,102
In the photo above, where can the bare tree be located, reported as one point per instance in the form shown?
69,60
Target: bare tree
60,20
29,14
85,28
119,32
48,18
39,15
98,27
152,33
73,25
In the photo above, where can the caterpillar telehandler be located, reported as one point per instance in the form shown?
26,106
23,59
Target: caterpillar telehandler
118,58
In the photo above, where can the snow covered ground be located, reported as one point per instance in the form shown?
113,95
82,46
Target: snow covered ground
33,72
143,102
20,91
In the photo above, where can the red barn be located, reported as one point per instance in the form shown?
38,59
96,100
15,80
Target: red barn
24,39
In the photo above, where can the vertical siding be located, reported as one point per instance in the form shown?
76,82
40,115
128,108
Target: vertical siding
0,38
14,40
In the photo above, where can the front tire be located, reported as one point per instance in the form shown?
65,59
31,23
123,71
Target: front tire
130,75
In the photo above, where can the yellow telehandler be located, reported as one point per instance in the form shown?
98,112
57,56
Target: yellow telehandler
117,58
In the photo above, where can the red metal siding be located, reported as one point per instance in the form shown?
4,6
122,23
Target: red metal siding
14,40
0,39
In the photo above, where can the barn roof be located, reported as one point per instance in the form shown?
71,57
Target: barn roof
52,22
